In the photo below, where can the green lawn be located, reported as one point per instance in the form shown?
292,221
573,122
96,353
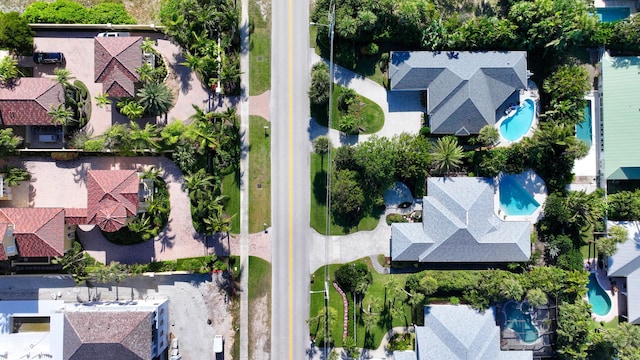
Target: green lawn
371,114
259,173
318,203
376,290
259,50
231,188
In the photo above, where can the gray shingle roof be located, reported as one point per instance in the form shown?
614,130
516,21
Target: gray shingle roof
404,355
107,335
465,90
461,333
626,263
459,225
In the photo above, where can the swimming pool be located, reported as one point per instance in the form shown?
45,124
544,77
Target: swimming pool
613,14
517,125
598,297
514,200
583,129
520,322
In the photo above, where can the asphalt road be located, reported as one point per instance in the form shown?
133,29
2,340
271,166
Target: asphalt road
290,178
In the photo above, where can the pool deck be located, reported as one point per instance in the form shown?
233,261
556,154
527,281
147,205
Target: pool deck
616,3
533,184
585,170
601,275
533,94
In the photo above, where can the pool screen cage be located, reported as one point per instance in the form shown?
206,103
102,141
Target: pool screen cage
544,320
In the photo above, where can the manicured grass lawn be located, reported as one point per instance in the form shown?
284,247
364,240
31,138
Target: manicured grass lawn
371,115
231,188
259,51
319,201
259,61
259,173
376,291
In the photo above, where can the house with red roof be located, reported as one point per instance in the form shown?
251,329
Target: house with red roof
112,198
29,101
34,234
115,64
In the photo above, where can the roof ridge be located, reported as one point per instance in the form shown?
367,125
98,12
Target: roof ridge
37,98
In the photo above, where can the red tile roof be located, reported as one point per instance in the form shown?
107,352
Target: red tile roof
39,232
116,61
28,102
3,230
75,216
112,197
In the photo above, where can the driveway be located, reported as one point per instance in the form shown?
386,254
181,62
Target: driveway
63,184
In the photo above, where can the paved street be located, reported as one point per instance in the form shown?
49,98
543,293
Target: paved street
290,179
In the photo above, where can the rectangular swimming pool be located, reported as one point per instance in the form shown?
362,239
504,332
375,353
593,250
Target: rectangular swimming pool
584,130
613,14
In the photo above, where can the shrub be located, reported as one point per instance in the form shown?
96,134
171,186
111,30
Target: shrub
16,34
93,145
395,218
425,131
454,300
71,12
372,49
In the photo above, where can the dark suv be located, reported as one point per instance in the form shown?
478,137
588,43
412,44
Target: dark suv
48,58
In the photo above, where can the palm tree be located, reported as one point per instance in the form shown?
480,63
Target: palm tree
447,155
147,45
144,138
132,110
155,98
9,70
60,115
102,99
63,76
199,184
146,72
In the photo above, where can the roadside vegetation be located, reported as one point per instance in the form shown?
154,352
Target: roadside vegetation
259,48
72,12
556,36
259,293
259,175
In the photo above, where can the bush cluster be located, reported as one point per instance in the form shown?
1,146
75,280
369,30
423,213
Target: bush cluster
71,12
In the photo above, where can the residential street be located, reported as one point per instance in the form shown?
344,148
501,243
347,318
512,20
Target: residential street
290,179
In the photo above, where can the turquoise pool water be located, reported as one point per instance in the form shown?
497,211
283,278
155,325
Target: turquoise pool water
520,322
613,14
598,297
583,129
517,125
514,200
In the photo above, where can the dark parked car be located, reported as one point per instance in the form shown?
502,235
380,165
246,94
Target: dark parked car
48,58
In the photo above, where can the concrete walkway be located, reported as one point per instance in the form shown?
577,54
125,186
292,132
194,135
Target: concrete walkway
402,111
244,182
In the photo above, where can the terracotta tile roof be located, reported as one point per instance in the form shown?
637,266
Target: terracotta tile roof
75,216
112,197
39,232
116,60
107,335
28,102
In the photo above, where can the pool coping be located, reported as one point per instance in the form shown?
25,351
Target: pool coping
533,95
601,276
531,183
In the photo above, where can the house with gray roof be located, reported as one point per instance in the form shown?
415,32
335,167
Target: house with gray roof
453,332
465,89
459,225
624,267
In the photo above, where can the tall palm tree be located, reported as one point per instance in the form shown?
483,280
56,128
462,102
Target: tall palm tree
447,155
155,98
60,115
8,70
147,45
63,76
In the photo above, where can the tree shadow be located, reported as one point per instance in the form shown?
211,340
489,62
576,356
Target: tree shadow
320,187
